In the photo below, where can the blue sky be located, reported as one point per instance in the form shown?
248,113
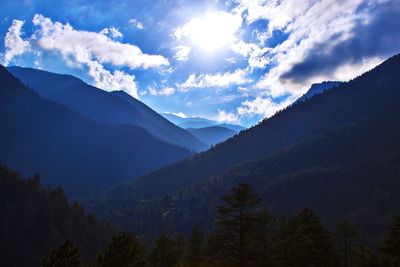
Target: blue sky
235,61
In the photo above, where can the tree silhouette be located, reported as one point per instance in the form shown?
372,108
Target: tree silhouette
263,238
66,255
236,221
345,236
123,250
309,242
167,252
196,247
391,243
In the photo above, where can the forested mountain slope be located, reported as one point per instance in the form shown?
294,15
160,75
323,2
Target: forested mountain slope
372,94
69,150
107,107
35,220
348,169
351,172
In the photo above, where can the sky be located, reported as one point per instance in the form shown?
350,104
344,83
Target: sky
235,61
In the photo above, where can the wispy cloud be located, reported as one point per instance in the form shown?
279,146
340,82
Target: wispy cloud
256,55
182,52
224,116
14,43
237,77
165,91
112,32
137,24
266,107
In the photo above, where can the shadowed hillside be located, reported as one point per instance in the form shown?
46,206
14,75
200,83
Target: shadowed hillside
345,165
69,150
371,94
107,107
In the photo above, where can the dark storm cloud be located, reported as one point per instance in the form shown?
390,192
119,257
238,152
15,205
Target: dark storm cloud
378,37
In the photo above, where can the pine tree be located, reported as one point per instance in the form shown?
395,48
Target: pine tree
66,255
167,252
123,250
263,238
345,237
195,253
391,243
235,224
309,243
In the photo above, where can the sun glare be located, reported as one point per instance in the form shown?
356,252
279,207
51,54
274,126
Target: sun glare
214,30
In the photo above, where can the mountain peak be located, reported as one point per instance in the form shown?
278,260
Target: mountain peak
318,88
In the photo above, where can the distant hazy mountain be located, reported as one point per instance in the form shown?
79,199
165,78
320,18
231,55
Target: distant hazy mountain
197,122
67,149
345,140
99,105
208,131
233,127
212,135
318,88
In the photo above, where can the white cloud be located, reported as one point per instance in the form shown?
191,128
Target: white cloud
178,114
224,116
85,46
13,42
265,107
152,90
349,71
308,24
225,98
237,77
118,80
93,50
165,91
112,32
259,106
137,24
256,54
182,52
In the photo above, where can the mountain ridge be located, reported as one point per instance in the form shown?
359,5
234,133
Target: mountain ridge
318,88
199,122
331,114
70,150
102,106
212,135
298,122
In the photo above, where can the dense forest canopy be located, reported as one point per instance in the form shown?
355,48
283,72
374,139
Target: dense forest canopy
245,234
34,220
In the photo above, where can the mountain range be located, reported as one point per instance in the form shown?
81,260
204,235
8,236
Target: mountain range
67,149
198,122
113,108
212,135
208,131
336,152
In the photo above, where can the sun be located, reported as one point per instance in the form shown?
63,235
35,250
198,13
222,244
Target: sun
213,30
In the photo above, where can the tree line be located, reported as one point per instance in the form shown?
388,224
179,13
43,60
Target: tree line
245,234
34,220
